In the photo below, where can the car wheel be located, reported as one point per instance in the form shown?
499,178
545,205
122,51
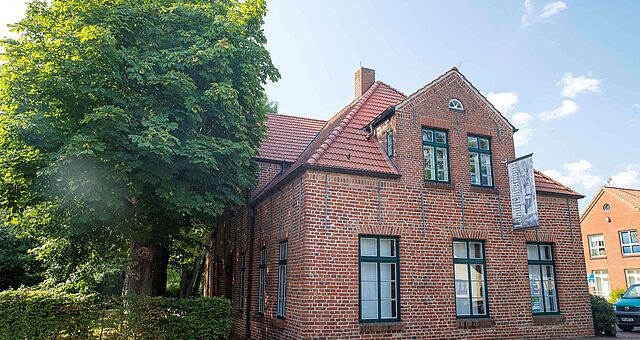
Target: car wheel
626,328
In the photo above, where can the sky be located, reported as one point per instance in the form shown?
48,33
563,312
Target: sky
565,73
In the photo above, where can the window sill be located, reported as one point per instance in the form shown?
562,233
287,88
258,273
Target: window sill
258,317
475,323
278,323
598,258
548,319
381,327
630,255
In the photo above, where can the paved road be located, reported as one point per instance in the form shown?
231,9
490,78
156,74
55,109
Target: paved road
622,335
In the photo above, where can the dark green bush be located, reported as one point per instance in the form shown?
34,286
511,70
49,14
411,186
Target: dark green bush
170,318
604,318
39,314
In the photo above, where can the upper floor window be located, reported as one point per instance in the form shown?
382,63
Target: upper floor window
379,274
542,279
435,152
456,104
596,245
629,242
390,143
470,278
480,161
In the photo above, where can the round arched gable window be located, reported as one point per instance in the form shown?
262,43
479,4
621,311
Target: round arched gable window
456,105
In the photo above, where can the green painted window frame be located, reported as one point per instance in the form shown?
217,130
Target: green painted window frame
479,152
435,145
378,260
390,143
262,280
243,268
541,263
281,307
469,262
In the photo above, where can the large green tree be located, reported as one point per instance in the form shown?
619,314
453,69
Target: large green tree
130,121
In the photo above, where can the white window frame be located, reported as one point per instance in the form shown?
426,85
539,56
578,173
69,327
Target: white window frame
456,104
630,244
635,273
282,280
601,277
262,279
599,247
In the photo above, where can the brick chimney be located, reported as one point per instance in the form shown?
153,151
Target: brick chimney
365,77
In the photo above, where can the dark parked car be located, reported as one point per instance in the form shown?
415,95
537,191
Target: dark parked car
628,309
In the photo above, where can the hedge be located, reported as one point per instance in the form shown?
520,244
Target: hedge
40,314
604,317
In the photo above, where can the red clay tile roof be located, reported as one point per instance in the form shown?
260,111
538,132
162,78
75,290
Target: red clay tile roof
341,144
631,196
547,184
288,136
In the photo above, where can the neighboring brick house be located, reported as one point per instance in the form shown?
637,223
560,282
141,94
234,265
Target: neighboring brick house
393,220
610,227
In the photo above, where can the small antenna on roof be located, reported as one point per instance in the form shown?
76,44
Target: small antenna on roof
360,62
460,64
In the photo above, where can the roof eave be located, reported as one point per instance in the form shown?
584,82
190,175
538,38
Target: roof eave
386,114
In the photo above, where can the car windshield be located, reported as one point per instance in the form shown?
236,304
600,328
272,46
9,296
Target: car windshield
632,292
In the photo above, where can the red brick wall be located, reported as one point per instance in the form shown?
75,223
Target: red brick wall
623,217
323,261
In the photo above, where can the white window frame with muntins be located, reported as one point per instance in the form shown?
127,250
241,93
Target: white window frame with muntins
627,244
603,285
596,245
632,276
456,104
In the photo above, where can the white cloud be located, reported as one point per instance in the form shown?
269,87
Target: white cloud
572,86
636,106
521,137
521,118
503,101
550,9
529,8
575,173
553,8
628,178
567,108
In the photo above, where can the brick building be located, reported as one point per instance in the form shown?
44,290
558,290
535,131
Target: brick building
610,227
393,220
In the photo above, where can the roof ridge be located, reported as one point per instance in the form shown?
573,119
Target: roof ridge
551,179
315,157
391,87
620,188
292,116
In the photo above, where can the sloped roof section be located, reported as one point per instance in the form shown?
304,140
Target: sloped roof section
546,184
288,136
631,196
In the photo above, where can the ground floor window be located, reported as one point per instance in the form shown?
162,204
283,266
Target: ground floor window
263,279
282,279
379,278
542,279
633,276
470,278
243,263
603,288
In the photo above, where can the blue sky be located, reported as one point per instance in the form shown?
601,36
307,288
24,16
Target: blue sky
565,73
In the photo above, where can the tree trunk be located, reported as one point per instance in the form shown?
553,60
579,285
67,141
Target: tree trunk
147,269
190,277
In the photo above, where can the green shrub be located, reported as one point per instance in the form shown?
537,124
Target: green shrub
170,318
604,318
616,294
39,314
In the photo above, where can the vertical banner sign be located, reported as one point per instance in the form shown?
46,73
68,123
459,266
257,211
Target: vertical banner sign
522,185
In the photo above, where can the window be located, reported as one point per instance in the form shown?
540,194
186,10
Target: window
542,279
282,280
606,207
390,143
456,105
435,151
602,283
263,279
480,161
596,245
633,276
379,279
470,279
243,262
629,242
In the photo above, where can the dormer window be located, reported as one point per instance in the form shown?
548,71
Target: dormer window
456,105
390,143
